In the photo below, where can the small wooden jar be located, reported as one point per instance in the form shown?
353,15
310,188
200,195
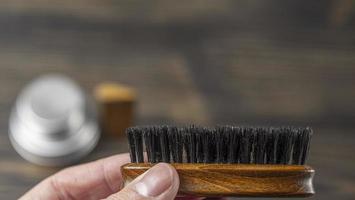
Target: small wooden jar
116,106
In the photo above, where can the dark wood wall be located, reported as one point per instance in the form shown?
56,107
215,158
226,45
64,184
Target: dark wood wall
276,62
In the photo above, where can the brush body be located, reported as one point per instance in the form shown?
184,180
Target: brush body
226,160
239,180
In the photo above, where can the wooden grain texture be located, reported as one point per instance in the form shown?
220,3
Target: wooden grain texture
253,62
238,180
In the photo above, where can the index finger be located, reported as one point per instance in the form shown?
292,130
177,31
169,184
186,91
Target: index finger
93,180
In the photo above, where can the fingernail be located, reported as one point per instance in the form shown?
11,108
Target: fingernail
157,180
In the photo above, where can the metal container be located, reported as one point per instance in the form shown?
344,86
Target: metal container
53,122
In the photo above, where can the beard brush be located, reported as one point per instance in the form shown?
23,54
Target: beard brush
226,160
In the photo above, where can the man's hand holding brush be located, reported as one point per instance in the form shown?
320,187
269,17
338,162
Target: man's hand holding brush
102,179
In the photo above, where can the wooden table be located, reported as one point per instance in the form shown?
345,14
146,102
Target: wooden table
244,63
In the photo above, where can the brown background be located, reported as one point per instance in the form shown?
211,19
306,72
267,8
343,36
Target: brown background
278,62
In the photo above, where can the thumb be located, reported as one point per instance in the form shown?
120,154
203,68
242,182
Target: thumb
161,182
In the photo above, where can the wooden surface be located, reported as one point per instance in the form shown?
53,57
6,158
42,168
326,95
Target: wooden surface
246,63
238,180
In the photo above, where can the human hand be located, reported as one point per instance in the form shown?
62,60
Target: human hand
103,179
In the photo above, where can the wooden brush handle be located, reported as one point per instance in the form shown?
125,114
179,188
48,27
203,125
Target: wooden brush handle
213,180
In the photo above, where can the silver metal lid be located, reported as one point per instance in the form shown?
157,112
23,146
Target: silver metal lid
53,122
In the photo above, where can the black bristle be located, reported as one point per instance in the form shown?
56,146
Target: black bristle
224,144
297,147
186,139
155,132
164,144
189,145
270,146
306,139
199,135
209,146
288,132
138,140
284,145
246,145
175,144
259,146
132,144
234,143
148,141
279,149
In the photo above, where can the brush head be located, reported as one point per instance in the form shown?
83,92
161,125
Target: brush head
222,144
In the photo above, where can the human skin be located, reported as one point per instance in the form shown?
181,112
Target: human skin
102,179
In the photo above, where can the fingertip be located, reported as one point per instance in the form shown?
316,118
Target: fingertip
160,182
156,180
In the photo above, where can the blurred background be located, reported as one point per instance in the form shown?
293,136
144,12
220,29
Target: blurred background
277,62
